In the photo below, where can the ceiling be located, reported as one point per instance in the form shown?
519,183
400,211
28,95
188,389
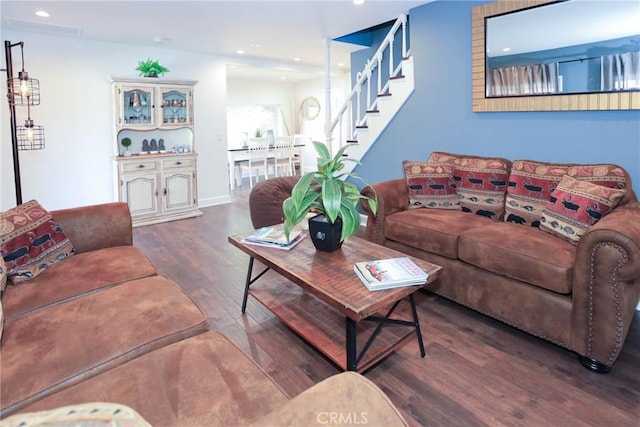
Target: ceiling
272,33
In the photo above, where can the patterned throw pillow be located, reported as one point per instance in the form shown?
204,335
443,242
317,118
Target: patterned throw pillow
575,206
442,157
3,276
481,185
430,185
31,241
531,183
95,414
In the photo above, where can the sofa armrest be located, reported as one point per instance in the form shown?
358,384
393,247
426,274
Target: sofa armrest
393,196
606,287
97,226
343,399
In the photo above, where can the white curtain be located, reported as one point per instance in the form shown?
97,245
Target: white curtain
537,79
621,72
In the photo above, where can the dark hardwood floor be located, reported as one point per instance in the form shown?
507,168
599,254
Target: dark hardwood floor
477,371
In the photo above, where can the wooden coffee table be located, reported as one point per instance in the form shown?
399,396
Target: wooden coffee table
328,292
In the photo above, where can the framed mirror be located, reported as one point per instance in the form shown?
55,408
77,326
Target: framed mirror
558,74
310,108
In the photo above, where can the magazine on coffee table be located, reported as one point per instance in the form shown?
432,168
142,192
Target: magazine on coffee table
274,237
390,273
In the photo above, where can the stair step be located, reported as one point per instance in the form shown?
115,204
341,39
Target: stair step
362,127
352,141
373,111
384,94
399,76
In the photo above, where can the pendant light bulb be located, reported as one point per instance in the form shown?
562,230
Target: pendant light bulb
25,87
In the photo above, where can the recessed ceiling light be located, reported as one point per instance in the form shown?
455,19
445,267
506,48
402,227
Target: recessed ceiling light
42,14
297,59
358,1
340,64
506,49
283,78
240,52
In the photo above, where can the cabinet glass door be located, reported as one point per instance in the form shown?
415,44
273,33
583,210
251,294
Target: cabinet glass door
137,106
176,107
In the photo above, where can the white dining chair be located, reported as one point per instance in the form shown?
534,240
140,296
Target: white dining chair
257,163
283,156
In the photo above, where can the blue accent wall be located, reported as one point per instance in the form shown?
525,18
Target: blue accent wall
438,115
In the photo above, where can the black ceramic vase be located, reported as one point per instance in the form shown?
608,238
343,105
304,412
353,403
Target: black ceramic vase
324,235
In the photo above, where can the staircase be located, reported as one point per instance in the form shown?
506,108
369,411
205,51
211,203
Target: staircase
383,97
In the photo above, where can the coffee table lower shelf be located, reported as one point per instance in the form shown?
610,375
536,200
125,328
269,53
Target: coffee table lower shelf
324,328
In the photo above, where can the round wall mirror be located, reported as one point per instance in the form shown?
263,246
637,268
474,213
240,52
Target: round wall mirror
310,108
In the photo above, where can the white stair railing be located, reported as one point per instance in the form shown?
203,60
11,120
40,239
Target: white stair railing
350,117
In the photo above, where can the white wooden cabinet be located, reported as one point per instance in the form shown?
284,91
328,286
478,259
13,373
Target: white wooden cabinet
159,187
158,175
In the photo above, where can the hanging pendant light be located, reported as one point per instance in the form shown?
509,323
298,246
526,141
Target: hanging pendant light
21,91
24,90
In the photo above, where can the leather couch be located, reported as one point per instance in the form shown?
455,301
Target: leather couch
579,295
103,326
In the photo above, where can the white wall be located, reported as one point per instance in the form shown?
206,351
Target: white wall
76,167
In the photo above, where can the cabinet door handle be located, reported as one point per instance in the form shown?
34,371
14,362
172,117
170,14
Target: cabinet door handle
178,163
164,192
140,166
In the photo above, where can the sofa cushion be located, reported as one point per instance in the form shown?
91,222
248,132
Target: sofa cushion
531,183
70,342
430,185
80,274
204,380
521,253
575,206
481,184
362,403
431,230
94,414
31,240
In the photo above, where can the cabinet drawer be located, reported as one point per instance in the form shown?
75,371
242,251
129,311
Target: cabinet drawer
141,166
177,163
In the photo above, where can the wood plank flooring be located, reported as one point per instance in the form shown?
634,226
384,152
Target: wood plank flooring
477,371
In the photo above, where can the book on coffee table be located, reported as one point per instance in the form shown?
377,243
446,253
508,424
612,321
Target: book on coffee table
390,273
274,236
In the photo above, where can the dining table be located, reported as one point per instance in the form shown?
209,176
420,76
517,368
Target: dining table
238,155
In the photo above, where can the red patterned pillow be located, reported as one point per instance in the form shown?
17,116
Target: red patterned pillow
430,185
3,276
575,206
31,241
442,157
531,183
481,185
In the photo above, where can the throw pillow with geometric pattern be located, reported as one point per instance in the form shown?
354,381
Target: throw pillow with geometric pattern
481,185
575,206
531,183
430,185
31,241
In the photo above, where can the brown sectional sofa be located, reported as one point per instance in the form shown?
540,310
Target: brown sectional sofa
580,296
103,326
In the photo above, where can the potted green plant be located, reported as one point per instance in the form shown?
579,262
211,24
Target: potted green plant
126,143
150,68
334,200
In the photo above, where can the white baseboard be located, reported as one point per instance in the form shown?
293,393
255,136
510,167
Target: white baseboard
213,201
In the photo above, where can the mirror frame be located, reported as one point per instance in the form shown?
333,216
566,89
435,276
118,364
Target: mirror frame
569,102
304,108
